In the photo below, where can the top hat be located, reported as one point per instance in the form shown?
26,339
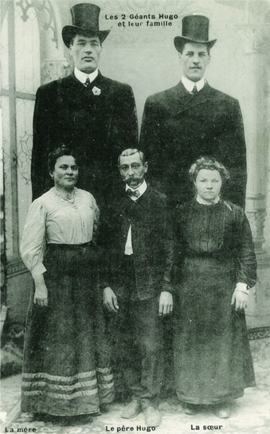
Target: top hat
194,29
84,20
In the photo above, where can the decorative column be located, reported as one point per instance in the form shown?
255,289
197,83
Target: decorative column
53,65
257,39
256,111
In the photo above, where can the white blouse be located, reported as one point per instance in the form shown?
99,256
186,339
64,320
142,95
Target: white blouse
52,219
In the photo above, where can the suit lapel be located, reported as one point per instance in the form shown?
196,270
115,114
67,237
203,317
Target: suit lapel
145,195
76,91
184,101
126,201
103,100
74,87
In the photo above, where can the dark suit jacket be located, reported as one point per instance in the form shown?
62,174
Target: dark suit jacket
151,242
98,127
178,128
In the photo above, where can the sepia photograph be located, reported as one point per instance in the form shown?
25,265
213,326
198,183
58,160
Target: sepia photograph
135,204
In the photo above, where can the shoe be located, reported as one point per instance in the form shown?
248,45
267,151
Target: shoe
85,419
81,419
40,417
131,410
223,410
152,416
104,408
190,409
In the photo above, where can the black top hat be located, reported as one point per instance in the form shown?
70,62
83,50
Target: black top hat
194,29
84,20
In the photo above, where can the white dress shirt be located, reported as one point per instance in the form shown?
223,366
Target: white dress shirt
82,76
141,189
189,85
52,219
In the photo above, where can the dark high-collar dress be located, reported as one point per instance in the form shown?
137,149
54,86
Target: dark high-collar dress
214,251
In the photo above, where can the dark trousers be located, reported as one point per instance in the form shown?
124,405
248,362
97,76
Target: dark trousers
137,332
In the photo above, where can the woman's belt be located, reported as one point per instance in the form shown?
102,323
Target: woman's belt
73,257
72,246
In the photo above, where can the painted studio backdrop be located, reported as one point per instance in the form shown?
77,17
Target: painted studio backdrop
139,51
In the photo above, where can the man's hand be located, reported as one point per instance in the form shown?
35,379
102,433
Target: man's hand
165,303
41,292
110,300
240,299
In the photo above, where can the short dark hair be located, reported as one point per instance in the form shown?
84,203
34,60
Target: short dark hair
57,153
131,151
208,163
86,35
181,45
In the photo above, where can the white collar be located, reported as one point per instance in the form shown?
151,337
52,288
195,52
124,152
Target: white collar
190,84
82,76
141,189
205,202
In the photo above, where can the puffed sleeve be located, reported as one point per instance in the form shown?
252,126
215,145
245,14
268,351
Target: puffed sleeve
33,239
247,264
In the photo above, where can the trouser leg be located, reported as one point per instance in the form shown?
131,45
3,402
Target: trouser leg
138,333
149,337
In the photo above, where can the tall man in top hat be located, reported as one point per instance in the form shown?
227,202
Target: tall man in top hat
191,120
92,114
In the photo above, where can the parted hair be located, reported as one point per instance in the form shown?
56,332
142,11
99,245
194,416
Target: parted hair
209,164
57,153
131,151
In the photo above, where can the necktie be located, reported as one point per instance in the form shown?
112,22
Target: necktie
194,90
87,83
134,193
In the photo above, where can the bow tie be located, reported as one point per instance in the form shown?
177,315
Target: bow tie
134,193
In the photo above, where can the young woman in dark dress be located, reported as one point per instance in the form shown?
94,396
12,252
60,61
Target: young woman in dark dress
66,369
215,266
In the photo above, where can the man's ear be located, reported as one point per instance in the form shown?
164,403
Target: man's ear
146,166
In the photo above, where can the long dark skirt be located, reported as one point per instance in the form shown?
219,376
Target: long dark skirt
212,356
66,368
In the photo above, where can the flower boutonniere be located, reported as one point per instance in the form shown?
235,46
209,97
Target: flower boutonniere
96,91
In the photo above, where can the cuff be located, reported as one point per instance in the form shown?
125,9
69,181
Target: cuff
241,286
166,286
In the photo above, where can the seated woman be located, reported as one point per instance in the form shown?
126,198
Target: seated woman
66,368
215,266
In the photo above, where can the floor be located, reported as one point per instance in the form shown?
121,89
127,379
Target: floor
251,414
